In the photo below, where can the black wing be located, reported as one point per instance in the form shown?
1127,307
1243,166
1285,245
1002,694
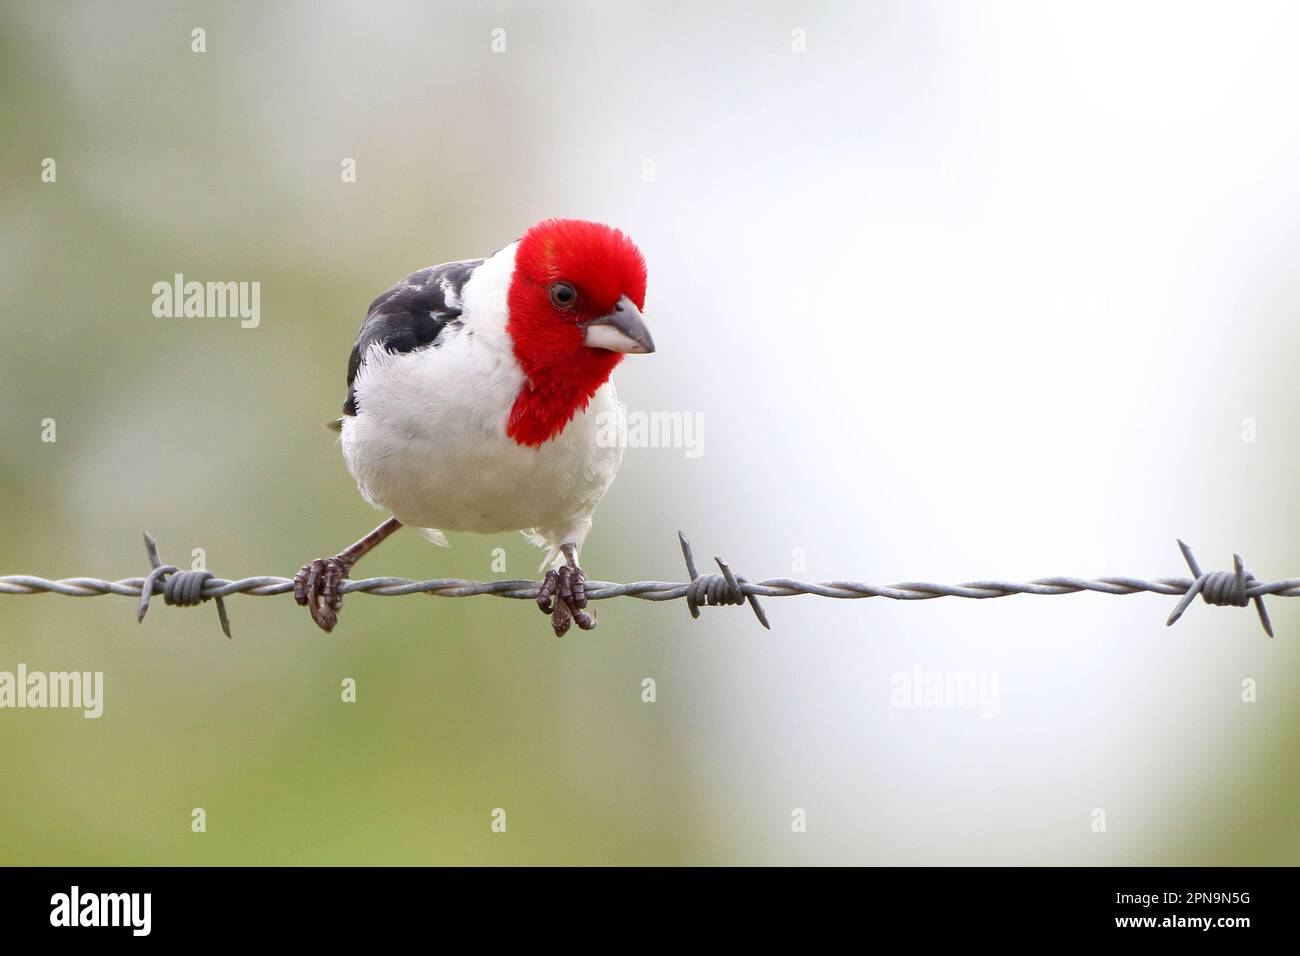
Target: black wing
413,314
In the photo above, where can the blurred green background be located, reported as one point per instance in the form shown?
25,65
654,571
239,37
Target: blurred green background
804,215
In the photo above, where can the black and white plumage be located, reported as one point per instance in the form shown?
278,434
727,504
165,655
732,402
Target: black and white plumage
411,315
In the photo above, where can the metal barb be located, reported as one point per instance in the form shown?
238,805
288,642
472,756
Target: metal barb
714,589
1221,588
179,588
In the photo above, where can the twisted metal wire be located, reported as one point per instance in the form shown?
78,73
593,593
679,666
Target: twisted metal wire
186,588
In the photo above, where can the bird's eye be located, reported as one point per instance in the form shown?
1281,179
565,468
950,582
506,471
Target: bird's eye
563,295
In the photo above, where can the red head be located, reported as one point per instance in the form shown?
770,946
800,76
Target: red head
575,308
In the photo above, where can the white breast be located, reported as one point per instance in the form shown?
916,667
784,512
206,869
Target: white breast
429,442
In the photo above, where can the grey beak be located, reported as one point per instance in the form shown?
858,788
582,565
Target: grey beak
622,330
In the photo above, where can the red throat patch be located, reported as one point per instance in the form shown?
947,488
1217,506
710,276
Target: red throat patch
550,399
602,265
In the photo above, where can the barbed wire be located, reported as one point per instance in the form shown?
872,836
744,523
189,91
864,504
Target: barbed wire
186,588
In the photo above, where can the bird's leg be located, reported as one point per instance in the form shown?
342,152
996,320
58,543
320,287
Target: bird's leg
568,584
316,586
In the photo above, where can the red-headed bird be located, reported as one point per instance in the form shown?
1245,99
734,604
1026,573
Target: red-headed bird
478,392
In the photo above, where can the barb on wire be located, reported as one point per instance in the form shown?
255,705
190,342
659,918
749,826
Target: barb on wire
1236,588
180,588
725,588
1221,588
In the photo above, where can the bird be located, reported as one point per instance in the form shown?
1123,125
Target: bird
479,400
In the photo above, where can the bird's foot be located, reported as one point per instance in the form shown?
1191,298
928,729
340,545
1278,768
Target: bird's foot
563,595
316,587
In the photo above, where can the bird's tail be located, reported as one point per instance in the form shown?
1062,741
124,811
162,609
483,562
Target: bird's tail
434,536
538,540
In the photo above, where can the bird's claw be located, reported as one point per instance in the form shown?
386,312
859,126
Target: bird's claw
316,587
563,595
